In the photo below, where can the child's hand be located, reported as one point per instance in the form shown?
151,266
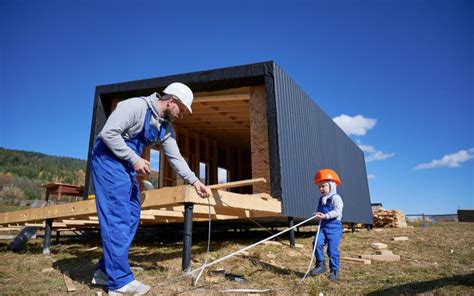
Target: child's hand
319,216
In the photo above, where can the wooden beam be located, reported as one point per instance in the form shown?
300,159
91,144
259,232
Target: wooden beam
356,260
197,152
237,184
215,164
84,212
161,170
207,144
261,201
229,91
228,160
222,98
167,195
75,222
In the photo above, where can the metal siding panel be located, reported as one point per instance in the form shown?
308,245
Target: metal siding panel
309,140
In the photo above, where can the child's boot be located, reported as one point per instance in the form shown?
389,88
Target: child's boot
334,275
319,269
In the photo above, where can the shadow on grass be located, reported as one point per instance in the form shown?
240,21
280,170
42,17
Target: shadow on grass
273,268
427,286
80,267
146,254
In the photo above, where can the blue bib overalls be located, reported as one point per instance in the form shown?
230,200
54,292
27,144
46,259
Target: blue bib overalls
330,233
117,197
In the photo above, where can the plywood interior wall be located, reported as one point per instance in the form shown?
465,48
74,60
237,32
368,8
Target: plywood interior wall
259,138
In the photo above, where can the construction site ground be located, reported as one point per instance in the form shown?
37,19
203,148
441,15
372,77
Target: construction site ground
437,258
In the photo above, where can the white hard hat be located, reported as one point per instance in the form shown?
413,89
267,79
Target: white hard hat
182,92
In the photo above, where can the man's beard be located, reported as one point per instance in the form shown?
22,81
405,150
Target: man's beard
168,116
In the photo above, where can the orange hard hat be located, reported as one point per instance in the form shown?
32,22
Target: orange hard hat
327,175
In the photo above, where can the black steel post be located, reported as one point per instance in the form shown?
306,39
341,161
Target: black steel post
187,235
58,235
353,227
48,228
291,223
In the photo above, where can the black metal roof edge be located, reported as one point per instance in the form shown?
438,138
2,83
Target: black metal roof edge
91,144
193,79
274,150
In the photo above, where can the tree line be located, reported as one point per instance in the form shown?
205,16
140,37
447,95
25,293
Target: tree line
22,172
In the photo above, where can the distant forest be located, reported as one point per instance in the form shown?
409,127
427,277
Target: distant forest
21,173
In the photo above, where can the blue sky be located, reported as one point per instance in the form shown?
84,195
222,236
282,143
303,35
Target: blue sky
398,76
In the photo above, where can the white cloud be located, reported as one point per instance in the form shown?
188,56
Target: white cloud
448,161
370,176
357,125
371,154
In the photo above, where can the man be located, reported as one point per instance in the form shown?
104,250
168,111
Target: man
116,161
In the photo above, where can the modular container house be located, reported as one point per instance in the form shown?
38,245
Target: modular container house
252,121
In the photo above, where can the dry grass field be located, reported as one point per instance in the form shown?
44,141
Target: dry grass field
437,259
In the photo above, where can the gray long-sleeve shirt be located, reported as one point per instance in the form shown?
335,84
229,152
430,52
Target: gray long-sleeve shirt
336,202
127,121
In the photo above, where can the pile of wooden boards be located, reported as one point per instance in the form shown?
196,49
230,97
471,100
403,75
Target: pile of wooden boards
389,218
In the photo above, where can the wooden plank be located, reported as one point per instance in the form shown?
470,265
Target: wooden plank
217,212
57,211
197,152
214,163
163,196
385,258
383,252
222,98
261,201
229,91
224,205
400,238
161,171
207,147
237,184
213,117
68,282
356,260
74,222
200,110
147,217
80,222
228,159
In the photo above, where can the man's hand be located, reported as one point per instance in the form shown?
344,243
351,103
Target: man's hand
142,167
201,189
319,215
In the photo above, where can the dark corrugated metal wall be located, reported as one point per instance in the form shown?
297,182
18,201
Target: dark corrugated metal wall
309,140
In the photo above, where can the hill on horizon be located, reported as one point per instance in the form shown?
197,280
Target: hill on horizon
22,172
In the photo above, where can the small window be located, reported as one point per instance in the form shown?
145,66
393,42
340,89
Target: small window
155,160
203,173
222,176
155,167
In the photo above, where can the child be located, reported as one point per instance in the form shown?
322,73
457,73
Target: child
330,227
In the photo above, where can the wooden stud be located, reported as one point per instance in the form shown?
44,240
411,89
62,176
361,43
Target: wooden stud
197,152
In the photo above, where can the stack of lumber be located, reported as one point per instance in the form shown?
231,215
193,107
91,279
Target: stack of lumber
389,218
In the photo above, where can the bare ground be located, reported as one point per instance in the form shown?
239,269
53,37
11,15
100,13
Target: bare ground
437,259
